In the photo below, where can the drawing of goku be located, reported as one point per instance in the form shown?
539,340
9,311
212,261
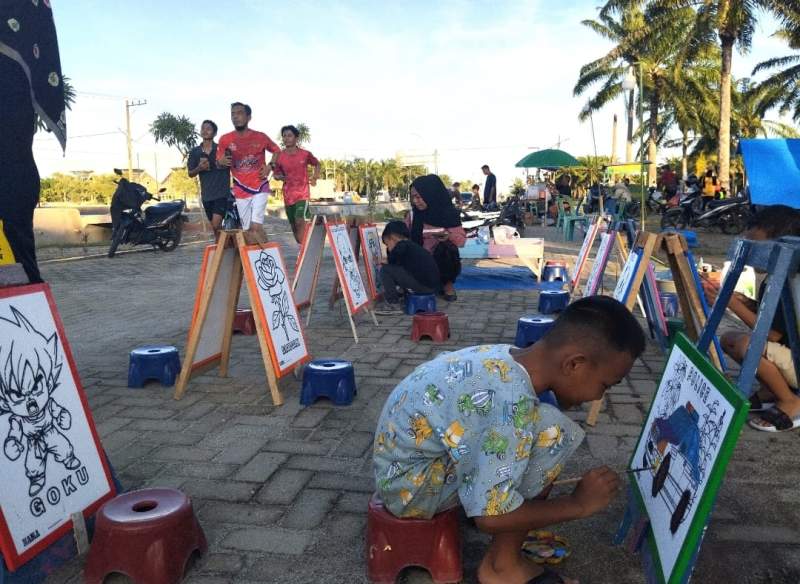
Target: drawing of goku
30,367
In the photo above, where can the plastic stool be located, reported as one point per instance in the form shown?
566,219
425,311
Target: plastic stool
555,272
394,544
551,301
331,378
147,535
669,302
243,322
152,362
420,303
532,328
430,324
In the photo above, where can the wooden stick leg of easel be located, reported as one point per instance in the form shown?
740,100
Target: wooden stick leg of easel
594,412
314,283
374,318
202,313
230,314
352,324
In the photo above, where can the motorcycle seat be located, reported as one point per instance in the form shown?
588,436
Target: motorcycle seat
162,210
721,203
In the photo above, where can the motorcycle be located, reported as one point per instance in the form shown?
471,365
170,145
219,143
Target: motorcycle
160,225
730,215
511,214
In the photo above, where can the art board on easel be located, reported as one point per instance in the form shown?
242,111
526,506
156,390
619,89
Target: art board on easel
373,258
583,254
278,328
595,279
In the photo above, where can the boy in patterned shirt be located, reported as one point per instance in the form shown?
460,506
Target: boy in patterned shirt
468,428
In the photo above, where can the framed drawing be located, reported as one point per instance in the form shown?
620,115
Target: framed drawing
625,281
52,462
355,293
373,258
308,265
273,306
599,265
686,442
583,254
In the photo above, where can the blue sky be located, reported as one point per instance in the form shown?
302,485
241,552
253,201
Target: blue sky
480,82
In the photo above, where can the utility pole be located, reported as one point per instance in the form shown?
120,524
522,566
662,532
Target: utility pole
614,141
128,106
436,161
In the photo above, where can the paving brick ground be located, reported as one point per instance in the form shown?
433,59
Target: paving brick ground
282,491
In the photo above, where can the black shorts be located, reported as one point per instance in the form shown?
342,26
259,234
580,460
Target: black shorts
216,207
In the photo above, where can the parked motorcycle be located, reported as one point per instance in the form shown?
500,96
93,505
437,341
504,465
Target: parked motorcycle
730,215
511,214
160,225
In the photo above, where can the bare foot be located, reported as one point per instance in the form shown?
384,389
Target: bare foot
520,572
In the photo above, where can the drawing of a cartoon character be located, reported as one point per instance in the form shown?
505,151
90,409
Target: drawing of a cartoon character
30,367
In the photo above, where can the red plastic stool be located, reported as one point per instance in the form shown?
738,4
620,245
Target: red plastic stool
430,324
244,322
394,544
147,535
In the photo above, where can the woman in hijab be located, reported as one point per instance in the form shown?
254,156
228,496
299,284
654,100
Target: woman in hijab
435,224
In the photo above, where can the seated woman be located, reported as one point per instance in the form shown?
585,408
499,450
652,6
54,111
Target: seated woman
435,224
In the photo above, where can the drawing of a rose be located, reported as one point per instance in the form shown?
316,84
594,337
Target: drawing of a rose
270,276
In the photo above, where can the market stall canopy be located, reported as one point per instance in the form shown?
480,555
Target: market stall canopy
548,159
773,171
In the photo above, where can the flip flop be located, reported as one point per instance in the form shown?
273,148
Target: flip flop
774,420
759,405
544,547
547,577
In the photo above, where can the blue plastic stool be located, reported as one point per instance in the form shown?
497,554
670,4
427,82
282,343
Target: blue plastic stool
551,301
555,272
420,303
532,328
331,378
669,302
153,362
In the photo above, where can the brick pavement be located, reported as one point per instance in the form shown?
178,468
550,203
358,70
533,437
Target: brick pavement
282,492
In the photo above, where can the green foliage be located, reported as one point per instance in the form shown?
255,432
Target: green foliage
360,174
518,187
180,186
175,131
65,188
69,99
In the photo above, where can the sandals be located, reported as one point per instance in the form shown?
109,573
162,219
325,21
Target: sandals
774,420
759,405
547,577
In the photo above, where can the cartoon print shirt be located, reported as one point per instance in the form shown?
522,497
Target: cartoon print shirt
468,424
247,159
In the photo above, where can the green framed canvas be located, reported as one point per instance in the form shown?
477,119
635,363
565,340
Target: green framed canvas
687,440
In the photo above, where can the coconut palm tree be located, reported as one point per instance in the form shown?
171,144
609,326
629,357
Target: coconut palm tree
733,23
786,81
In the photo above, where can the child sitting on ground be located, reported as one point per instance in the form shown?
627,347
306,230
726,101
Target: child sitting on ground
468,428
776,370
410,268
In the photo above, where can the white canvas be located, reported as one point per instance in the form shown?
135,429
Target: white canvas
50,464
599,264
212,333
586,246
373,259
355,291
682,438
275,303
626,277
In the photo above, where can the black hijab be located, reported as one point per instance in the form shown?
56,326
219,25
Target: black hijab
440,212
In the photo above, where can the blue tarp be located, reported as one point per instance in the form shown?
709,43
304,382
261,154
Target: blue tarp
773,171
515,278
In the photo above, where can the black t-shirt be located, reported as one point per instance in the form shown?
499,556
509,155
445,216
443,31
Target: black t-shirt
778,322
215,183
416,261
491,185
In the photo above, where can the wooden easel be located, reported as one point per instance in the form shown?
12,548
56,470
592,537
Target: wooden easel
236,239
315,237
583,253
675,248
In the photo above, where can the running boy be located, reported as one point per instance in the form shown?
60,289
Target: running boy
292,169
467,428
215,181
410,267
776,368
243,151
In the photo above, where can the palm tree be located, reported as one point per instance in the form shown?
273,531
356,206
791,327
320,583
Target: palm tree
750,104
176,131
786,81
69,99
733,22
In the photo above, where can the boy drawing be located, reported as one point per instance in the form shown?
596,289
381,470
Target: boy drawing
410,267
467,428
776,369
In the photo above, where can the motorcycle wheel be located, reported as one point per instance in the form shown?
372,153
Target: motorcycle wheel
733,224
673,219
171,243
116,238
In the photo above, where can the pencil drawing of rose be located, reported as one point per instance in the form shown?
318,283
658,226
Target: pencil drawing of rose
271,279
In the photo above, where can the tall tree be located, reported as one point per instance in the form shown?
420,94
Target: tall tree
69,99
175,131
786,80
733,22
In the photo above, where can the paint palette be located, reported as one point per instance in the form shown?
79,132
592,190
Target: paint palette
544,547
